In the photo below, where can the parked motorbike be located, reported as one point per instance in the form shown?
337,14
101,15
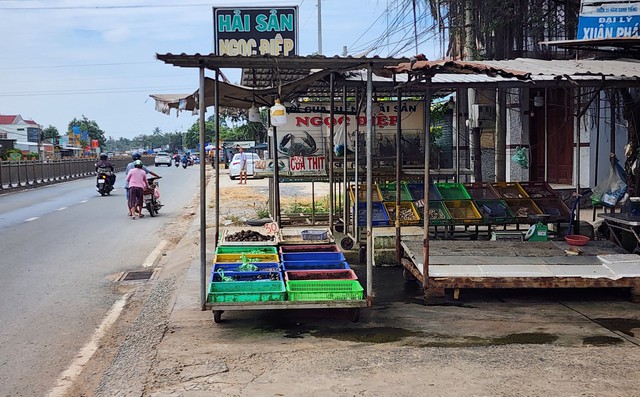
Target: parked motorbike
104,184
152,196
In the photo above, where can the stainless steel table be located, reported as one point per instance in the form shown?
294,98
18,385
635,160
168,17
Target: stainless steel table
626,223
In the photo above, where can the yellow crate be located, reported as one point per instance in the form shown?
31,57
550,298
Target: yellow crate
463,211
509,190
406,206
376,196
227,258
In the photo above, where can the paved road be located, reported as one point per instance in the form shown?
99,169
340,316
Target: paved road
61,247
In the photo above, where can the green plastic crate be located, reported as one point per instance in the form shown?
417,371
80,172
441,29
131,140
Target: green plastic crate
249,249
246,291
453,191
388,192
239,257
324,290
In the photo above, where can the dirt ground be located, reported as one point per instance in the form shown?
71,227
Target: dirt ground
486,343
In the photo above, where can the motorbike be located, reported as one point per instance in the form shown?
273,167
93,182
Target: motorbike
185,163
104,185
176,160
152,196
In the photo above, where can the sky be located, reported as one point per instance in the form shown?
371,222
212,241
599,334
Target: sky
65,59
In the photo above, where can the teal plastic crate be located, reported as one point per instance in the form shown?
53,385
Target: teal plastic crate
324,290
453,191
246,291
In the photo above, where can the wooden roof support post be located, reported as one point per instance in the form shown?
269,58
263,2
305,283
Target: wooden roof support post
501,135
427,159
398,172
369,150
203,196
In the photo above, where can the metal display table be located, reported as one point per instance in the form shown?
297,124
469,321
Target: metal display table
623,223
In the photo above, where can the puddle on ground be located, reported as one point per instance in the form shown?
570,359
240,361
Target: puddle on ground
511,339
367,335
624,325
601,340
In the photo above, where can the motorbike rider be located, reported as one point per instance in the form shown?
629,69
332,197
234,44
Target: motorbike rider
130,166
105,163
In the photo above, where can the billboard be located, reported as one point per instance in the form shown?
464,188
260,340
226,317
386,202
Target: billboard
608,20
245,31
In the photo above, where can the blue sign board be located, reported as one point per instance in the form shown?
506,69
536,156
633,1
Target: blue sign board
611,20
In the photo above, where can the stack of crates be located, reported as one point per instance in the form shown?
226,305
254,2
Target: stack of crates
517,199
318,273
547,200
493,209
458,203
438,214
246,274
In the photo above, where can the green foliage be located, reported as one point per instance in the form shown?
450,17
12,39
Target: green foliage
51,134
262,210
91,127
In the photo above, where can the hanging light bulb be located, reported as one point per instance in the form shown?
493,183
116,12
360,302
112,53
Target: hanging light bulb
278,114
254,114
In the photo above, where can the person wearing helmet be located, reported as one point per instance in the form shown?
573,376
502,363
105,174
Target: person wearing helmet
106,164
130,166
137,180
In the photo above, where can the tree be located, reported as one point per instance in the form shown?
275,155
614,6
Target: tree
51,134
91,127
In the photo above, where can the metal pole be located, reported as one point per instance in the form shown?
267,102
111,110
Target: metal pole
369,142
345,200
203,199
216,162
576,128
546,135
331,144
276,177
319,27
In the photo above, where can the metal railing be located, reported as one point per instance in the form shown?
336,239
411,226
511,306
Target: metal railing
25,174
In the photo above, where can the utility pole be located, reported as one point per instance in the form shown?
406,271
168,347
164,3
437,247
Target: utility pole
319,27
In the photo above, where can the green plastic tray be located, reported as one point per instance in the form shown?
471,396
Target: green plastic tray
246,291
230,249
388,192
453,191
324,290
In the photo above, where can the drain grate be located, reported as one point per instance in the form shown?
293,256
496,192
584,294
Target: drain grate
138,275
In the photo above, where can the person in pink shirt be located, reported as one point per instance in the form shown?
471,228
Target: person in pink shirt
137,180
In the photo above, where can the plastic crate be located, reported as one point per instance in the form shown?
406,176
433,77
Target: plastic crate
257,277
312,256
417,191
554,207
314,265
379,214
235,249
495,211
481,191
538,189
236,267
453,191
246,258
438,214
523,208
337,274
309,248
362,193
410,216
324,290
388,192
246,291
509,190
314,235
463,211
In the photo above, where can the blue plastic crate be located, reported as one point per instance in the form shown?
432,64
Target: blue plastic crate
235,267
312,256
314,265
379,214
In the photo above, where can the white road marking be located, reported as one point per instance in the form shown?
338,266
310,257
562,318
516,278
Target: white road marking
154,256
66,379
84,201
62,208
32,219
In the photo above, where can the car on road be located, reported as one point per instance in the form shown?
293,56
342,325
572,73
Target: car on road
162,158
234,166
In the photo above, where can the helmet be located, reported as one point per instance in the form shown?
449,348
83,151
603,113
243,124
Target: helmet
136,156
103,156
137,163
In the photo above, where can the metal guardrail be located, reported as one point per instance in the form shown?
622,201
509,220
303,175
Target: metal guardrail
25,174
